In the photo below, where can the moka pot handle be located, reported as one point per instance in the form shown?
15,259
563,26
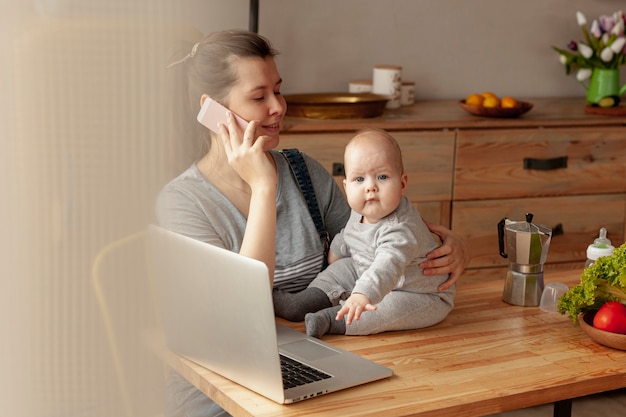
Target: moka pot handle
501,224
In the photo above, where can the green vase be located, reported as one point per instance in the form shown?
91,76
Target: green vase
604,88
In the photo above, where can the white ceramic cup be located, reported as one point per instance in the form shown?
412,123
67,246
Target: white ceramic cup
387,81
407,93
360,86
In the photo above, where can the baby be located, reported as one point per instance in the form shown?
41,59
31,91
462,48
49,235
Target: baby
374,283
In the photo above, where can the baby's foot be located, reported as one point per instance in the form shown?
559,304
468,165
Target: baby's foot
316,324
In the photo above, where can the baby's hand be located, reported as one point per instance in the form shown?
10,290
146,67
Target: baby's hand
354,306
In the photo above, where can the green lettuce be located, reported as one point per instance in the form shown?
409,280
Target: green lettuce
604,280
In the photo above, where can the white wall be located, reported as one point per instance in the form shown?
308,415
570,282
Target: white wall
448,47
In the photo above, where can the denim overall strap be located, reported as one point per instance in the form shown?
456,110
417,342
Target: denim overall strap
301,174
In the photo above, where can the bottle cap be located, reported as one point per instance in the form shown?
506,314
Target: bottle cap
600,247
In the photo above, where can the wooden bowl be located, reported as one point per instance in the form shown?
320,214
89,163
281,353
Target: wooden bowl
521,108
336,105
614,340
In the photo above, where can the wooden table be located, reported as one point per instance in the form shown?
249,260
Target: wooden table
486,357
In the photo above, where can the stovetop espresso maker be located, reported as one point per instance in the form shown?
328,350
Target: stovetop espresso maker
526,249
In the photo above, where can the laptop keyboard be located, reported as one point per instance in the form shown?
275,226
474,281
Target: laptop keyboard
296,373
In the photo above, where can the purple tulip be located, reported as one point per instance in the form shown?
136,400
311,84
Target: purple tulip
572,46
606,23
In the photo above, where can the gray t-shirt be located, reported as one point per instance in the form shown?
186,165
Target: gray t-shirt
193,206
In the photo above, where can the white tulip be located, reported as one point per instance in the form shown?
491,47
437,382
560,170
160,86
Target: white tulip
582,20
595,29
585,50
605,38
562,59
583,74
618,28
618,45
606,54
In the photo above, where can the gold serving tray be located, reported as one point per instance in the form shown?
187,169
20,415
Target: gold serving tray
335,105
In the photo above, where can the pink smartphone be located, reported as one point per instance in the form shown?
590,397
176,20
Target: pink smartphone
212,113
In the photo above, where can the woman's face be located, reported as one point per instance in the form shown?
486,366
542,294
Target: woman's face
256,96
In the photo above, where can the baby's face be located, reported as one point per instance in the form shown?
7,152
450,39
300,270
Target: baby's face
374,182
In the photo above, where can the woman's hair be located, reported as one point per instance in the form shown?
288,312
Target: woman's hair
211,70
208,69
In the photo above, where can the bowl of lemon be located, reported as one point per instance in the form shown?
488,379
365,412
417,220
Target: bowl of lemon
489,104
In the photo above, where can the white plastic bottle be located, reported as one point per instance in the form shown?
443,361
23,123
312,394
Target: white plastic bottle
599,248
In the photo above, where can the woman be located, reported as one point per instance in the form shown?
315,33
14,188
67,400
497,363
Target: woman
241,194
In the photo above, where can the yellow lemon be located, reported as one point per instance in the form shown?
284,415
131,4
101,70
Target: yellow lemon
491,102
474,99
488,94
508,102
607,102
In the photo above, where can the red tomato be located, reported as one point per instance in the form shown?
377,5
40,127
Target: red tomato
611,317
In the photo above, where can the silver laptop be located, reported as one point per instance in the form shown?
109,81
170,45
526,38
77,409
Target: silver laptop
217,311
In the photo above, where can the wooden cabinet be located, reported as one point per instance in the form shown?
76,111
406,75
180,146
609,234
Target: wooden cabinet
539,162
566,167
572,180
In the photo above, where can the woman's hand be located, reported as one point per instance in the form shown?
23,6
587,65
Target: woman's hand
246,154
452,257
354,306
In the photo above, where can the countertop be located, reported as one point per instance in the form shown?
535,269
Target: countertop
448,115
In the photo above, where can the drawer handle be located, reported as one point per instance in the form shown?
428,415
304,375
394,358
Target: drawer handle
545,164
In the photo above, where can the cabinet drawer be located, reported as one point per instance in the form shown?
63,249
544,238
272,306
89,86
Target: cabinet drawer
516,163
437,212
428,159
581,218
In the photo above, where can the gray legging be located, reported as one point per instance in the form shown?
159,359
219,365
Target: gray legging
401,309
